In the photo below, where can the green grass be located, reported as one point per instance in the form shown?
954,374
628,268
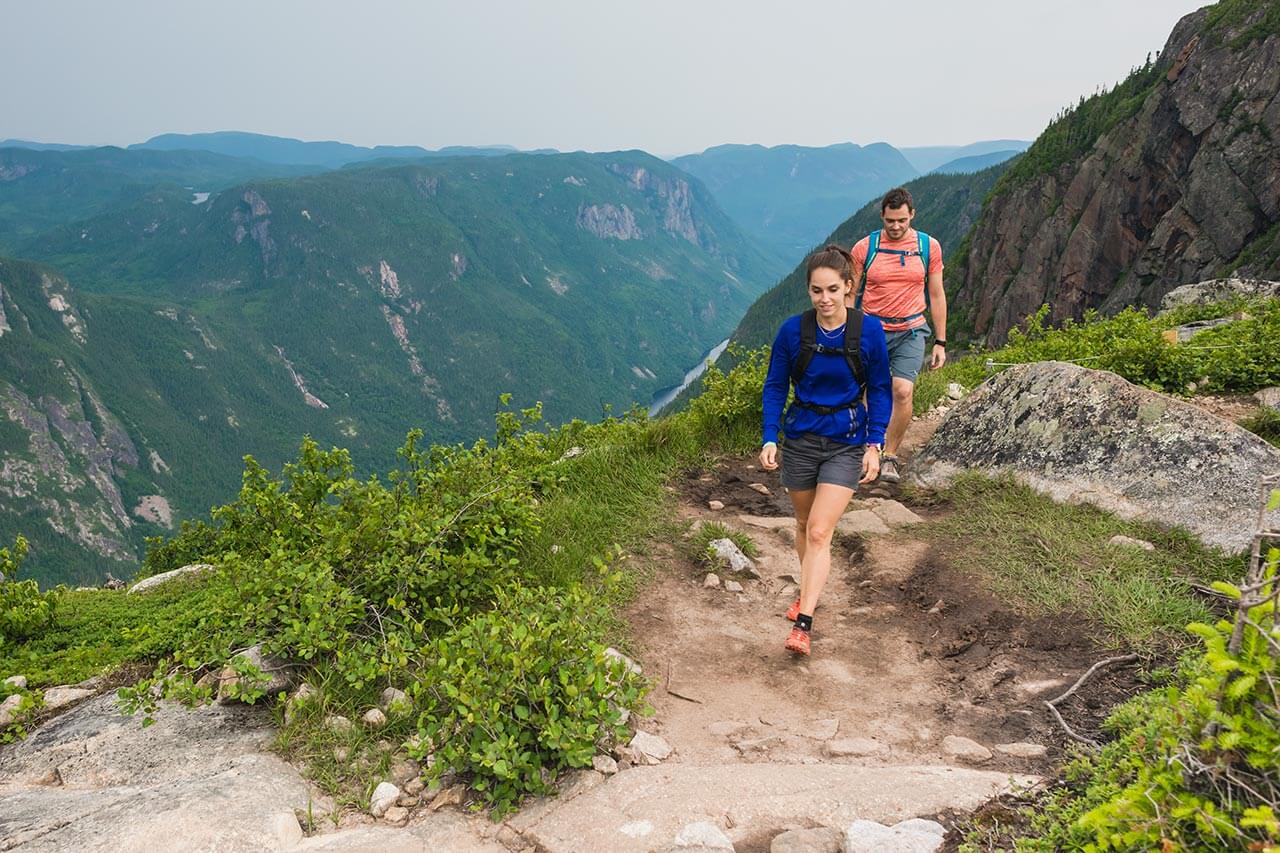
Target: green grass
709,531
1054,558
1265,424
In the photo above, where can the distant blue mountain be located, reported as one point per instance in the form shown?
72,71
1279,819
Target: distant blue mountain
40,146
279,149
928,158
976,163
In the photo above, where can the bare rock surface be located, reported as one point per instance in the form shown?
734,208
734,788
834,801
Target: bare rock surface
825,839
1218,290
165,577
1083,435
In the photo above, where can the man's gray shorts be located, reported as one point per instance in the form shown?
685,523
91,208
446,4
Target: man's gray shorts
906,352
813,459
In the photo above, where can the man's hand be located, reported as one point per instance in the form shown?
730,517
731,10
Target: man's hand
769,457
938,358
870,464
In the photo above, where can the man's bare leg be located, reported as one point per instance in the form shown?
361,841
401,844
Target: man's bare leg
903,390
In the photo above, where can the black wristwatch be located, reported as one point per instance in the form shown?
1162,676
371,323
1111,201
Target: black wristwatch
940,343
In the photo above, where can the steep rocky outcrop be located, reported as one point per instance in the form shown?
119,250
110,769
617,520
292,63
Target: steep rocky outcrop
1089,436
1172,177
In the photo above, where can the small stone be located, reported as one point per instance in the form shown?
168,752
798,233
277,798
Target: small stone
394,702
759,744
341,754
18,682
632,666
414,786
374,718
728,552
732,586
822,729
937,608
1022,749
404,770
338,724
955,390
58,697
861,522
9,709
604,764
650,748
454,795
761,488
711,581
702,835
715,505
821,840
277,674
384,797
407,800
963,747
396,815
556,549
853,747
894,514
1129,542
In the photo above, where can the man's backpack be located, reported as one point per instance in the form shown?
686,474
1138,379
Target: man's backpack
851,350
873,249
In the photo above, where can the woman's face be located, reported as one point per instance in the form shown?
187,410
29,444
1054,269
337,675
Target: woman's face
827,291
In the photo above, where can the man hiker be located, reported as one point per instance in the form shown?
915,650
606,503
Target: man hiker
897,277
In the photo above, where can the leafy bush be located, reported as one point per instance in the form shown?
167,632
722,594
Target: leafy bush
1265,424
729,406
520,692
195,542
25,611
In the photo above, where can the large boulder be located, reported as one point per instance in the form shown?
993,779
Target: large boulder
163,578
1218,290
1083,435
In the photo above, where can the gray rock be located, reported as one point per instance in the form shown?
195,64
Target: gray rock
702,835
761,488
1219,290
913,836
395,702
649,748
18,682
163,578
728,552
1022,749
1083,435
768,522
955,391
861,522
396,815
205,773
278,674
632,666
821,840
58,697
9,709
287,830
1129,542
384,797
715,505
1269,398
604,764
732,586
963,747
711,581
405,770
374,718
338,724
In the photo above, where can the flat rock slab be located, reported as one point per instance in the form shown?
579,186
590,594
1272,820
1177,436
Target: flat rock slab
165,577
861,522
645,808
1088,436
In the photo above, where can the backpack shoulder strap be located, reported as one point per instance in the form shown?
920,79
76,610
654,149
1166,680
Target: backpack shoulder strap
808,343
924,242
853,348
873,246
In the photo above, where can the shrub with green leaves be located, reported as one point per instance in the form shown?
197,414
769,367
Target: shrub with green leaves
25,611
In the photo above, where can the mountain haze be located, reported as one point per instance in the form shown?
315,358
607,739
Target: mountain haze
927,158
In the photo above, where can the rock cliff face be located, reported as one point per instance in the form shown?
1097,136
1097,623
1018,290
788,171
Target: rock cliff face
1182,184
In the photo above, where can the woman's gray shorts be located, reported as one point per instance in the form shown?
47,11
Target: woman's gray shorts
813,459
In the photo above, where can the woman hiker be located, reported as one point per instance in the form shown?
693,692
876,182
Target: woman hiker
832,355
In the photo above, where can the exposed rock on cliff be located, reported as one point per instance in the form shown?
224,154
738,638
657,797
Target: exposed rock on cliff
1088,436
1174,176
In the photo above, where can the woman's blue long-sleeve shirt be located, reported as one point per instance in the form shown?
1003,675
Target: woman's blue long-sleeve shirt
829,382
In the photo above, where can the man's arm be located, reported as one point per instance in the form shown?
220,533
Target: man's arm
938,313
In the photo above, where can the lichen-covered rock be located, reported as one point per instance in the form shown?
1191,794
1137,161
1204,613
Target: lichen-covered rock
165,577
1219,290
1083,435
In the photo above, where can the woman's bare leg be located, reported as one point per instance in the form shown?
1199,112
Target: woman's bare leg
824,510
802,501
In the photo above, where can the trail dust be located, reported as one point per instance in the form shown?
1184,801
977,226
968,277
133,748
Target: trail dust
923,696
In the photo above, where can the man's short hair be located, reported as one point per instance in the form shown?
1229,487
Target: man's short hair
897,197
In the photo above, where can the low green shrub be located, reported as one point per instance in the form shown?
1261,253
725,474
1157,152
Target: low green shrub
709,531
25,611
1265,424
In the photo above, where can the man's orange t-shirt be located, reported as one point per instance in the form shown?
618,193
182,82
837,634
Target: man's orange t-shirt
893,289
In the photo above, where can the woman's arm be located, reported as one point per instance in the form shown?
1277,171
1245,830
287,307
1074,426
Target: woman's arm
875,356
777,382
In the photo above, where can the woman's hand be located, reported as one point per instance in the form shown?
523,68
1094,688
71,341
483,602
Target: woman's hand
769,457
870,464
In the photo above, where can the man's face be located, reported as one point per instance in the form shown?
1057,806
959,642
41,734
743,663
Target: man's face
896,221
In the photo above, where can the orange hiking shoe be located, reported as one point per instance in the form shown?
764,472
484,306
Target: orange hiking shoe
793,611
798,642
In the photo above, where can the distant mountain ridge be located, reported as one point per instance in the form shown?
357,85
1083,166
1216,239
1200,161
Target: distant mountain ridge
974,163
928,158
331,155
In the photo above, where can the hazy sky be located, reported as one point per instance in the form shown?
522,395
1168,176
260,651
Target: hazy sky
666,76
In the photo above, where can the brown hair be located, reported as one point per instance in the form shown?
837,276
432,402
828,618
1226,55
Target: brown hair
830,257
897,197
